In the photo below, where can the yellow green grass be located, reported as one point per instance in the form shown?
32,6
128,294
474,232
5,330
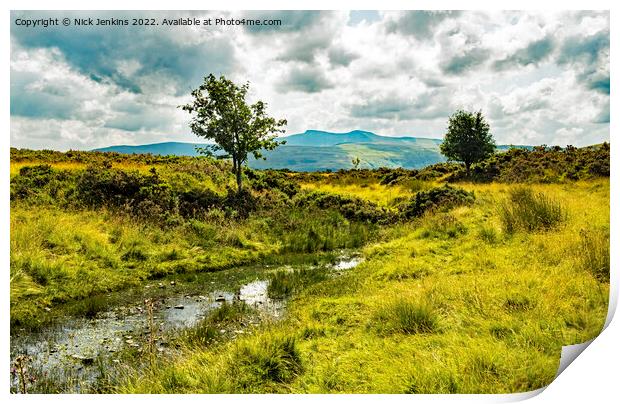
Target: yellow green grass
58,256
450,303
380,194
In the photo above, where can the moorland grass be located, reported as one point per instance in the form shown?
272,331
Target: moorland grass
465,315
530,211
473,299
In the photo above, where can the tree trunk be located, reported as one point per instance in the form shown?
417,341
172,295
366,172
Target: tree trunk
467,165
238,174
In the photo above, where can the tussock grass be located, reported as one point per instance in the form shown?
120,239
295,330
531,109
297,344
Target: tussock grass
488,234
593,253
407,317
529,211
270,359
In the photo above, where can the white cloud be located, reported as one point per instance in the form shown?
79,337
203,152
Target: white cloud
540,77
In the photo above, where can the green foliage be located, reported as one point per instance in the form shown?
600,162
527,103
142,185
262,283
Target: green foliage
437,171
144,196
468,138
271,180
222,114
38,182
529,211
441,198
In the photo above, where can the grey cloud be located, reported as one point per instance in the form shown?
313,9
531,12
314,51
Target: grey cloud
32,96
341,57
586,49
384,108
419,24
600,84
292,21
466,61
603,116
429,105
305,79
589,55
533,53
304,49
96,51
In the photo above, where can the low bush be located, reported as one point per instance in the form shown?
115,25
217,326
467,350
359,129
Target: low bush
273,180
540,164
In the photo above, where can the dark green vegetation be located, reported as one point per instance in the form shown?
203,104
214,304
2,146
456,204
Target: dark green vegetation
468,139
542,164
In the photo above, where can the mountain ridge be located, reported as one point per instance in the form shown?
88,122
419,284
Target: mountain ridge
316,150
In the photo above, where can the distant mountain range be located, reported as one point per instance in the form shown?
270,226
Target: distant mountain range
316,150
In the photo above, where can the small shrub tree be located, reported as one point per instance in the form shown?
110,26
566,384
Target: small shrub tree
222,114
468,139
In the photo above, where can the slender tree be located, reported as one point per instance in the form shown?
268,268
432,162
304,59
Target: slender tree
468,139
220,113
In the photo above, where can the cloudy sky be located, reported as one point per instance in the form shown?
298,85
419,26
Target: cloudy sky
540,78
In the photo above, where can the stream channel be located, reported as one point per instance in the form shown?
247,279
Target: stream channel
74,350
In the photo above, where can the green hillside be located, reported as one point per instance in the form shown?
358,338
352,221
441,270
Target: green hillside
316,150
319,151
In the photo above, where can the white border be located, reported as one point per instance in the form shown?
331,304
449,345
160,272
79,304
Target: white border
591,377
